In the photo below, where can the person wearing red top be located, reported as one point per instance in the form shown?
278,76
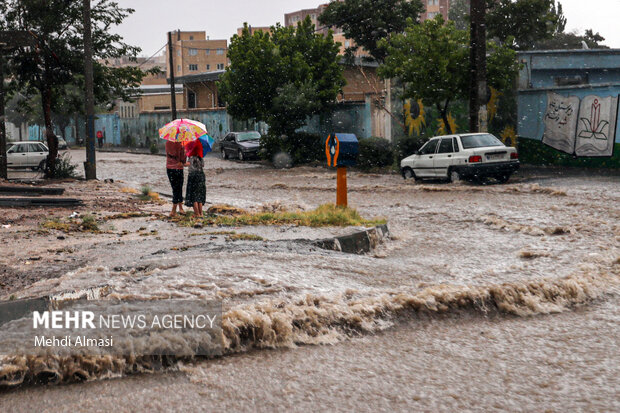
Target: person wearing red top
175,161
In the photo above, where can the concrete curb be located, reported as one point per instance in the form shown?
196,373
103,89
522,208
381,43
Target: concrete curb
358,243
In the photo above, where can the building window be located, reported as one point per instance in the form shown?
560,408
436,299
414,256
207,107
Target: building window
220,66
179,68
347,43
191,37
219,51
193,52
208,51
208,67
433,2
432,14
193,68
179,52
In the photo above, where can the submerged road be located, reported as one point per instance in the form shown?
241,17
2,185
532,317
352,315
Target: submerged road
557,349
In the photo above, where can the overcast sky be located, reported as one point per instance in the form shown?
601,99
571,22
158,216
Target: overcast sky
147,27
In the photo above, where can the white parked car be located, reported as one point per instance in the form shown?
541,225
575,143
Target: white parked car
27,154
463,156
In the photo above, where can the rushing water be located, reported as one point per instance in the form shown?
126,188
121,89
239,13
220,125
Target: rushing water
442,294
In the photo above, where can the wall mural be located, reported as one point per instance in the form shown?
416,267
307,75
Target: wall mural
583,127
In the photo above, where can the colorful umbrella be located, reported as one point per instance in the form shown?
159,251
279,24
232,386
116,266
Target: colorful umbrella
200,147
182,130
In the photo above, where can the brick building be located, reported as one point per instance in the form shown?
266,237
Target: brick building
195,53
435,7
198,63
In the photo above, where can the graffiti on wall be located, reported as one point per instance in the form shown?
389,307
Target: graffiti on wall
581,127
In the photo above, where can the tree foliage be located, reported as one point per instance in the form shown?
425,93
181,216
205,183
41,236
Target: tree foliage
459,14
281,77
55,62
521,23
369,21
572,40
432,61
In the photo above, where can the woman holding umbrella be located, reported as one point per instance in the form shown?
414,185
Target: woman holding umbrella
176,133
175,161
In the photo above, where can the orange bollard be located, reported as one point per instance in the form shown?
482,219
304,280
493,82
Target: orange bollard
341,186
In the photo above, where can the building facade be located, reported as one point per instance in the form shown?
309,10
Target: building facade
435,7
194,53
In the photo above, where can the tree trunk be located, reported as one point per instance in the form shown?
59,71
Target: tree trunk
52,141
444,116
76,120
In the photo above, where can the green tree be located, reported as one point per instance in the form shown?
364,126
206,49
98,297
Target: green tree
432,61
521,23
369,21
56,60
572,41
459,13
281,77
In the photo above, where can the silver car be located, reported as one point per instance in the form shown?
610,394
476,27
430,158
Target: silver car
27,154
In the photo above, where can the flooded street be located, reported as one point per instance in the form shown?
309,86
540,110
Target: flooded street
484,297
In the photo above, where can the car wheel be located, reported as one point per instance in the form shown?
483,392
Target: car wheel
223,154
240,155
42,165
454,176
408,173
502,179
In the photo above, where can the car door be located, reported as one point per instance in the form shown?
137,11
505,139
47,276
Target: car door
423,166
443,157
227,144
35,154
17,155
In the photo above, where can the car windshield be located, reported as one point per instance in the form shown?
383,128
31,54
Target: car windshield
247,136
479,141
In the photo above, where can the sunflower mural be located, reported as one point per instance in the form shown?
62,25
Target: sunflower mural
414,116
492,104
442,127
509,136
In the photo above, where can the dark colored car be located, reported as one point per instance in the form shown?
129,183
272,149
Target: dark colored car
240,145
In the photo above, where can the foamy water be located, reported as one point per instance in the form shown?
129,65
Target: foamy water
462,251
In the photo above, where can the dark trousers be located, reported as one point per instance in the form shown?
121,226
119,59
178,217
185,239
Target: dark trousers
175,176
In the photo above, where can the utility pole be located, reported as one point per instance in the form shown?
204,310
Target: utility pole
90,166
3,164
173,98
478,68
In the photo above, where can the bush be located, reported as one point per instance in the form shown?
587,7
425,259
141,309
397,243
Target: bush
534,152
64,167
270,145
154,148
305,147
374,153
302,147
406,146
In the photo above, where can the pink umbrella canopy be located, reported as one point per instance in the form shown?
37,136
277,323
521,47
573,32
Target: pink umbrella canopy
182,130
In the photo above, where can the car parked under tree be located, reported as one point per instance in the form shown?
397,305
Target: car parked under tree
240,145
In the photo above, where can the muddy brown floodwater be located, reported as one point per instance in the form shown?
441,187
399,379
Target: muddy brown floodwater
498,297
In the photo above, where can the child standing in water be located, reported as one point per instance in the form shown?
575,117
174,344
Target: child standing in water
196,193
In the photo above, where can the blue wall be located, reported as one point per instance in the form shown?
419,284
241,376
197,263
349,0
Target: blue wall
538,73
144,130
